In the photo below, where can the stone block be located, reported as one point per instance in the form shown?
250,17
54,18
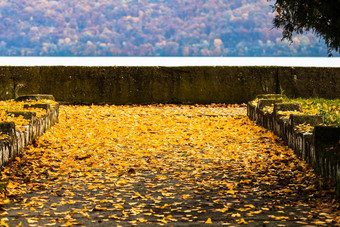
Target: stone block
251,111
286,107
27,115
259,117
18,145
41,106
297,119
268,121
28,133
307,145
285,129
2,150
8,128
267,102
312,120
35,97
5,151
55,114
270,96
327,152
31,116
298,144
290,135
282,107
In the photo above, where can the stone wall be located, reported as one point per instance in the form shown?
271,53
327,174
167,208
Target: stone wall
143,85
320,147
16,140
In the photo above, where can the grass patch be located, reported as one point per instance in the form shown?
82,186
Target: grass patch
329,108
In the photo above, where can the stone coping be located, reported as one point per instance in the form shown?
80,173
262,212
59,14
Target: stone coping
36,97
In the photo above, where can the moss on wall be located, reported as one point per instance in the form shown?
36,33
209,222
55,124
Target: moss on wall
142,85
310,82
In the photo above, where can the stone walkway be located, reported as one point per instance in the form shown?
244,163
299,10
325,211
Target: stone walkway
162,165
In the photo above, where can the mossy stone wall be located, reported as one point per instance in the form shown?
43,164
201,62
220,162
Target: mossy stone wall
143,85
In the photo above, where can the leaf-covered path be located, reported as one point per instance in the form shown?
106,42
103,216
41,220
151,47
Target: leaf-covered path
162,165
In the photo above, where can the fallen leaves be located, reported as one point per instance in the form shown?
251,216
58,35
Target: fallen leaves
20,121
156,164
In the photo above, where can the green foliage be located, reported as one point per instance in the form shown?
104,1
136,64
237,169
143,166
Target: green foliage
329,108
319,16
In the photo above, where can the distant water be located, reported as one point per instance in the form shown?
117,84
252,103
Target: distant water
171,61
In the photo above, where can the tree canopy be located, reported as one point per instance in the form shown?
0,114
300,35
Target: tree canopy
320,16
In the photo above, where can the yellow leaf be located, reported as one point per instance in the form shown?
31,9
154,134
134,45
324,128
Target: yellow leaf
68,224
99,208
124,213
142,220
3,223
318,222
236,215
242,222
187,197
249,205
90,187
120,207
17,158
256,212
10,185
31,221
165,206
232,192
208,221
164,221
161,177
223,210
85,215
32,209
6,201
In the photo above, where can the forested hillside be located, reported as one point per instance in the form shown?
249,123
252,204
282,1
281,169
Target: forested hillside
146,28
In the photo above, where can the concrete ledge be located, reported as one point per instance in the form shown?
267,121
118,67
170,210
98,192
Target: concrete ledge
16,140
269,96
286,107
320,147
185,84
36,97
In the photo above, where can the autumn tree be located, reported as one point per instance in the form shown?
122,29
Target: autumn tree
319,16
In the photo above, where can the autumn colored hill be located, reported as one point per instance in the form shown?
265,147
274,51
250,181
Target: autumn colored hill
146,28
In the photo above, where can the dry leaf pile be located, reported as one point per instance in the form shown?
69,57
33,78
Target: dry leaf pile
14,106
165,165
